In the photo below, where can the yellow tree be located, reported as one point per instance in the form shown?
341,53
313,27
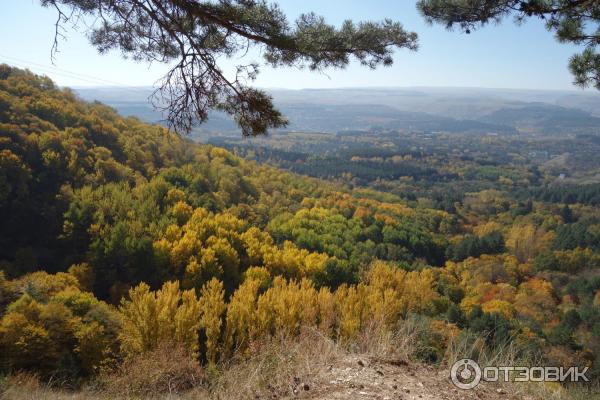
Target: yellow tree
212,306
327,314
395,292
241,316
535,299
286,307
351,307
167,315
526,241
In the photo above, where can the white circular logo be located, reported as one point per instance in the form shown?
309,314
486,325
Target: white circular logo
465,374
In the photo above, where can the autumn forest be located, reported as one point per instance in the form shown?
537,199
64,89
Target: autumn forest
118,237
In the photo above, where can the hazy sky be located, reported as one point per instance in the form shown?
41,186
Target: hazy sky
504,56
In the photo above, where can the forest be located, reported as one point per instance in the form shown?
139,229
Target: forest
118,237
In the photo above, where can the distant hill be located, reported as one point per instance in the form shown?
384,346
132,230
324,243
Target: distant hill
545,118
420,109
337,118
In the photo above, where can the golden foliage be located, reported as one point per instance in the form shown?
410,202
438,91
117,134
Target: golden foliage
212,306
535,299
167,315
526,241
36,333
241,315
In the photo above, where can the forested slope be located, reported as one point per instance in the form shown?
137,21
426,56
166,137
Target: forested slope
118,236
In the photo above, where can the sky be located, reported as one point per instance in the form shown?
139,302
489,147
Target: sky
498,56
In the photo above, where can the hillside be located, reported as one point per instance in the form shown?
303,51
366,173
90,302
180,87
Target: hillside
545,118
126,248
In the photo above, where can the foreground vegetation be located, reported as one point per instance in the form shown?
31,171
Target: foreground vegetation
307,366
118,239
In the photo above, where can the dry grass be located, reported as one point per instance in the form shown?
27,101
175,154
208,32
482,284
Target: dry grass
400,344
282,367
279,368
22,386
167,370
509,355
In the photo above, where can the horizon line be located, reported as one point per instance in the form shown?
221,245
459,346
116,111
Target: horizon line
574,90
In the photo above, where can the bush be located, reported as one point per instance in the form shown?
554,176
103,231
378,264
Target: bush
168,369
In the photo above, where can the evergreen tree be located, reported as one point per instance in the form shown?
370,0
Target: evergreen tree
567,214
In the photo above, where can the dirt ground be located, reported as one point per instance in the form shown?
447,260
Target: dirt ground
355,377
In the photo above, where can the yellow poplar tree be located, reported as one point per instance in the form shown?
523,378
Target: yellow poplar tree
212,306
166,315
287,307
326,307
350,305
241,316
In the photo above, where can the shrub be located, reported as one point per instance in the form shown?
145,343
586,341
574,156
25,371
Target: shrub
168,369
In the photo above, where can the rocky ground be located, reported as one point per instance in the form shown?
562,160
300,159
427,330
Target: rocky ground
355,377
